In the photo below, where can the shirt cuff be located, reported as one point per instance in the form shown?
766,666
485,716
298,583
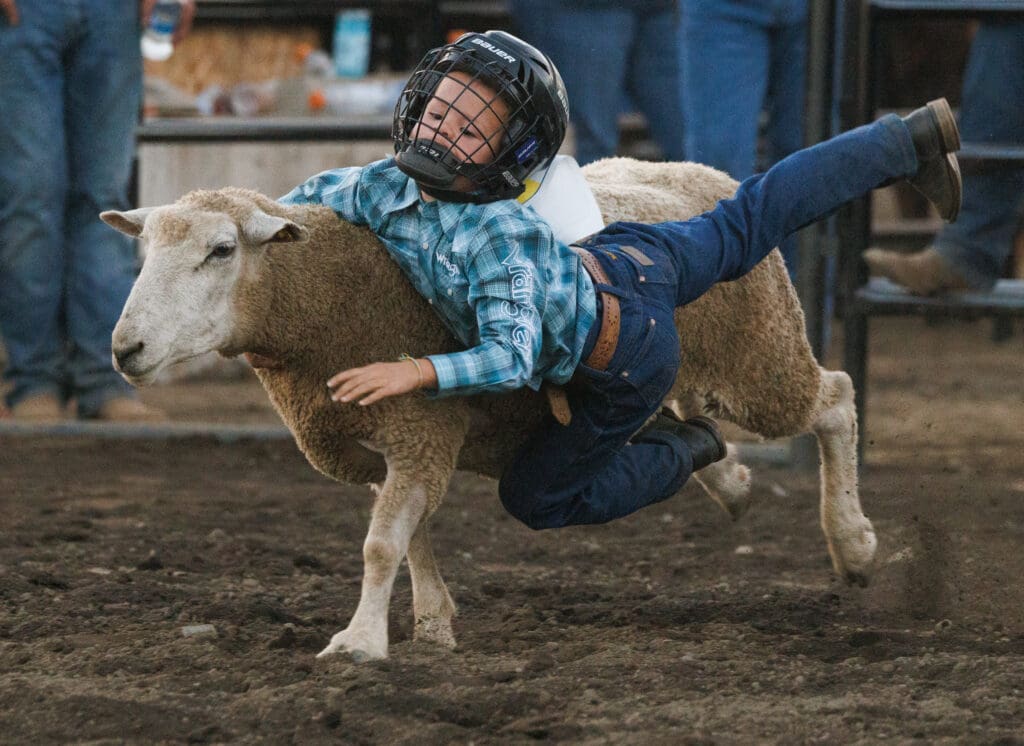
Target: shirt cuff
446,376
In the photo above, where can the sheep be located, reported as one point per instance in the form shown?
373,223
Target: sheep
303,295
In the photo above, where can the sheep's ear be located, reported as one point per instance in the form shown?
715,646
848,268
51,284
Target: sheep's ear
261,228
130,222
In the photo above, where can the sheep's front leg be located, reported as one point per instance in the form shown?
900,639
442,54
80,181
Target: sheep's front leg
396,514
432,605
850,535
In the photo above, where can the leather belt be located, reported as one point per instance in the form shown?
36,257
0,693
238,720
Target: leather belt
608,335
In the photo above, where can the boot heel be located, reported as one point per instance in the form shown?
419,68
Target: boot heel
949,133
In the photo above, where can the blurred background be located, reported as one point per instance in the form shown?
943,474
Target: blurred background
254,71
277,59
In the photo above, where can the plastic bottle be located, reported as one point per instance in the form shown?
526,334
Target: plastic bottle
352,43
158,38
316,63
293,93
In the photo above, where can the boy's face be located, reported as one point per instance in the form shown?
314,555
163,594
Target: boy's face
466,115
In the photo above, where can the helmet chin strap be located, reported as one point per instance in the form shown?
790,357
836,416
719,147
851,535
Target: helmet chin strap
450,195
426,171
434,176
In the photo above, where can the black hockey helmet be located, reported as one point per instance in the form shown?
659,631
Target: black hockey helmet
526,83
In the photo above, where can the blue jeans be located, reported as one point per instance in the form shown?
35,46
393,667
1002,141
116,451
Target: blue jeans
590,471
979,243
70,83
608,52
740,58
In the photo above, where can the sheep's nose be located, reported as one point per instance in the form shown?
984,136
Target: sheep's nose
124,354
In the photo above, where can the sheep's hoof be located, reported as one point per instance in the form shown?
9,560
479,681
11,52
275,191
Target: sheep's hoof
435,630
728,484
359,647
857,578
853,557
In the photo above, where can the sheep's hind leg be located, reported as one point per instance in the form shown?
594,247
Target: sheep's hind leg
850,535
727,482
432,605
396,514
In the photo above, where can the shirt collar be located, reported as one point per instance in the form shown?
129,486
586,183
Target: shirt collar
408,196
450,215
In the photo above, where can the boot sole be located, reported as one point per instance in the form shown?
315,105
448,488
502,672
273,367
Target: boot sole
954,166
949,133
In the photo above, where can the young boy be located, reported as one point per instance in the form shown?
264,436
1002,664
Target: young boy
476,118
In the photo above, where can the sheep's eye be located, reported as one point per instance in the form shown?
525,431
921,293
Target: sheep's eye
221,251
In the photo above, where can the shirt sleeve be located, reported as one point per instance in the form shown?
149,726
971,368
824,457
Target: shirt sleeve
507,293
337,189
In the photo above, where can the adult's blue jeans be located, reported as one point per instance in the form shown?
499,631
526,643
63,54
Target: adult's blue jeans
739,59
70,87
591,471
979,243
607,53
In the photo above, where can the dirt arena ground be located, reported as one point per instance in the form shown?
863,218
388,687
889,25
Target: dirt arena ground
674,626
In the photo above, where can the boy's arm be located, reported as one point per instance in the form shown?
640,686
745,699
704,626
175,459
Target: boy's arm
335,189
374,382
357,194
507,293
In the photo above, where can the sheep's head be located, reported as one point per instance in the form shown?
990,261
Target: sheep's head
183,302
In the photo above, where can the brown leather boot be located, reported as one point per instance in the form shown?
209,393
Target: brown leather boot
923,273
936,138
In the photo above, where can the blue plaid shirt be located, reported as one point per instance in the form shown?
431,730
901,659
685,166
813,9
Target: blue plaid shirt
517,298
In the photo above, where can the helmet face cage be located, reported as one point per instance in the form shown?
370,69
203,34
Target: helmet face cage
530,126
